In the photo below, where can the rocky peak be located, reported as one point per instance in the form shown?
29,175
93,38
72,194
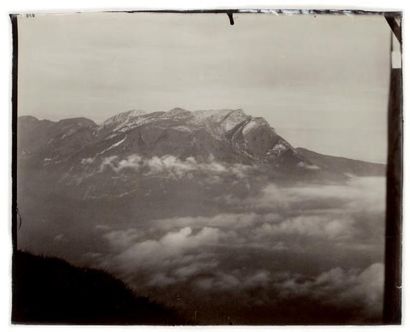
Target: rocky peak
123,117
255,124
233,119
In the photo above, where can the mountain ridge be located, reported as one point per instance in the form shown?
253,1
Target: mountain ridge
221,149
246,139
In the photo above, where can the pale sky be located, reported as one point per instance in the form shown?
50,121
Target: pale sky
321,82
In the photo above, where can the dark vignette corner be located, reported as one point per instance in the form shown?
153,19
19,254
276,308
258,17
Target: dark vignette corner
392,311
13,19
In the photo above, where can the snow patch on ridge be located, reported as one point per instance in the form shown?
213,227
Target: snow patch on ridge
233,119
249,126
123,117
112,146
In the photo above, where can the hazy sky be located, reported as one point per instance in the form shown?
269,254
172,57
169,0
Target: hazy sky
322,82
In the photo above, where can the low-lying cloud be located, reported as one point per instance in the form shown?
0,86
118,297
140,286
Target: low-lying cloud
320,243
348,289
171,166
357,193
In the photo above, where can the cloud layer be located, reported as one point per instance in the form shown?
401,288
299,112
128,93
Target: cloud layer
170,166
319,243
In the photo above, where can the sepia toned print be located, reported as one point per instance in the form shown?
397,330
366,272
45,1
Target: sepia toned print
175,168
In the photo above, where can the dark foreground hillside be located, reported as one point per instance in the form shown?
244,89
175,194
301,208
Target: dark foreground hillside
51,291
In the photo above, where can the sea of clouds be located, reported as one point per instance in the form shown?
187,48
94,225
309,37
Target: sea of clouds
284,246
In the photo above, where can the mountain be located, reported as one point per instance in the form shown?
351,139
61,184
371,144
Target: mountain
135,167
226,136
167,200
94,161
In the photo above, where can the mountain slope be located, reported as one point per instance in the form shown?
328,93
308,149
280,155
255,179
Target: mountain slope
343,165
135,150
228,136
49,291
